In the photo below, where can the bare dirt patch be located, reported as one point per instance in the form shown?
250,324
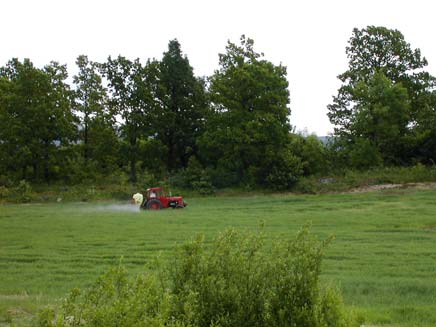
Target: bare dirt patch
381,187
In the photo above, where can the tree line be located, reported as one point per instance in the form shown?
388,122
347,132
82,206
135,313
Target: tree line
159,121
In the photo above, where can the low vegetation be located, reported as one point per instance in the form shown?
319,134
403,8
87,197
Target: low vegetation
381,258
351,180
195,182
236,281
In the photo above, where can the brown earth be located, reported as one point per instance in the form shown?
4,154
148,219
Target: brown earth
380,187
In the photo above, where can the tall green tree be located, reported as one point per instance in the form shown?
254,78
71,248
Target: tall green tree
59,120
423,148
6,91
249,131
132,99
35,118
91,102
384,72
382,116
182,106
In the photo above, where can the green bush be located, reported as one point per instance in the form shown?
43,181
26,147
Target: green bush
4,192
312,153
306,185
204,185
23,191
5,181
283,172
221,177
235,281
194,177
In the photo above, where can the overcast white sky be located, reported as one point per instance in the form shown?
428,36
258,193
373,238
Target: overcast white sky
309,37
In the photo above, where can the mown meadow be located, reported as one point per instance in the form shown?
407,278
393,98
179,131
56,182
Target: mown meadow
383,256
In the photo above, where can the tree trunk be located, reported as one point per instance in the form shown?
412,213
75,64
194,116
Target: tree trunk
24,172
46,162
170,156
133,177
133,156
85,141
35,168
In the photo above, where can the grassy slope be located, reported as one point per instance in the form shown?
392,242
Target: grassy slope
383,257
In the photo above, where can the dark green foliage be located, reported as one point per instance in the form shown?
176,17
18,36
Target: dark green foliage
283,170
155,117
384,97
237,281
423,144
179,118
97,135
382,121
153,153
4,193
35,120
312,153
131,98
194,177
23,191
364,155
221,177
249,127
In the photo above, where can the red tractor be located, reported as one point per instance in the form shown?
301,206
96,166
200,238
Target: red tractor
155,199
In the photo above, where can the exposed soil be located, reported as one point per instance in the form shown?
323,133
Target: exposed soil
380,187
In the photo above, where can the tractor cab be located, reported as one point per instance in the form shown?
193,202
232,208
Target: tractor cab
155,199
155,193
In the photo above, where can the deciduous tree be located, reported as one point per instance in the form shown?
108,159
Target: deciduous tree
383,92
180,115
132,99
249,131
91,102
35,118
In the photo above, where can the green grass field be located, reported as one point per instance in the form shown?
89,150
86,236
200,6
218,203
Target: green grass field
383,256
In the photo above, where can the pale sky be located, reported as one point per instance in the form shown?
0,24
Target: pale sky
309,37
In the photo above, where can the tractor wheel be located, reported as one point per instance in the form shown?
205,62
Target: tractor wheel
154,205
179,206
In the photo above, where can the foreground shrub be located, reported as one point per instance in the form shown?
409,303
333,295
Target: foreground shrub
237,281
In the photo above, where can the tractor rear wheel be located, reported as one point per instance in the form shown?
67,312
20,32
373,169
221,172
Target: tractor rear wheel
154,205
